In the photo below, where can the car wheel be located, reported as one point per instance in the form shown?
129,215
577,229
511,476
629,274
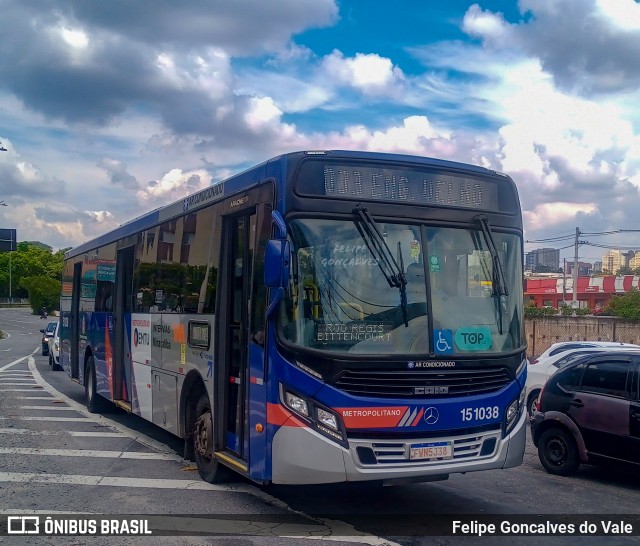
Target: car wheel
558,452
531,401
209,468
95,402
51,362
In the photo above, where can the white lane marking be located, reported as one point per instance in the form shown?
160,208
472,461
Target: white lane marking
30,432
23,390
7,366
52,398
349,533
75,479
48,408
163,484
17,384
46,418
10,512
138,437
93,453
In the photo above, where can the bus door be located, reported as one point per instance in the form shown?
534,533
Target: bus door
75,321
120,327
239,232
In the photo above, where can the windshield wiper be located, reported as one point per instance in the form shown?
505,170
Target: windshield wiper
499,285
381,252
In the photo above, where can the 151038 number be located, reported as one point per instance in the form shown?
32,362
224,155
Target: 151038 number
480,414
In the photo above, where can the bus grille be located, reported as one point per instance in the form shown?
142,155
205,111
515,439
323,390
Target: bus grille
422,383
471,446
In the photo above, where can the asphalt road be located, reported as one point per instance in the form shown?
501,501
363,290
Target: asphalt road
55,456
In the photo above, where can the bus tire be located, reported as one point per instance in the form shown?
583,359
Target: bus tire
209,468
95,402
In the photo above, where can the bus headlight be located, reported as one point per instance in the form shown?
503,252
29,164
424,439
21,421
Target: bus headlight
319,418
327,419
513,412
297,404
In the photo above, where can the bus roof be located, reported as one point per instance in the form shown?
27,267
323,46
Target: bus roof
248,178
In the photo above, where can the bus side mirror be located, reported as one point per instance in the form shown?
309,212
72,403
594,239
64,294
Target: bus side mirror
276,263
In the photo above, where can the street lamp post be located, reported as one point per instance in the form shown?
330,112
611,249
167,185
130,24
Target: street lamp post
3,204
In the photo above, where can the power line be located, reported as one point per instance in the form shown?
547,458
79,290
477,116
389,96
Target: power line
550,239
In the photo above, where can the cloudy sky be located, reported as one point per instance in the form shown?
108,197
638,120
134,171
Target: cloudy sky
110,109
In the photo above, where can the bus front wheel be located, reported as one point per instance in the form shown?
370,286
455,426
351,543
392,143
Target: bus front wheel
208,466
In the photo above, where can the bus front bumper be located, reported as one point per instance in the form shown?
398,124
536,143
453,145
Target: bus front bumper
301,455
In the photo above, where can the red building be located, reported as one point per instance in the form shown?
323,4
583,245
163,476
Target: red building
593,292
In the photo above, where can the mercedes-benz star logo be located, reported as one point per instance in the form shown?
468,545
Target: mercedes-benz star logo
431,416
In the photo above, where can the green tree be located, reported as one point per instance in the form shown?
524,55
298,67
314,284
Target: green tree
624,270
43,292
31,259
626,306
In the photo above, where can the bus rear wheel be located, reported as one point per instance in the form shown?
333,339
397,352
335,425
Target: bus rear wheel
209,468
95,402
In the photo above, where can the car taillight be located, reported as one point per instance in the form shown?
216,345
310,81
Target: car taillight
534,361
539,400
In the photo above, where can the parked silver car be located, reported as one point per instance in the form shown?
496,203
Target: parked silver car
47,333
54,348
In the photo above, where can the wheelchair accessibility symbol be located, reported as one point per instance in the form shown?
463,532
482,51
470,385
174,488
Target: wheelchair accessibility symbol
443,341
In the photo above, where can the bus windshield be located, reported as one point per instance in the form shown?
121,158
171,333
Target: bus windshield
440,290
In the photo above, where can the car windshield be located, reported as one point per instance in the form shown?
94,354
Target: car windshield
51,327
354,292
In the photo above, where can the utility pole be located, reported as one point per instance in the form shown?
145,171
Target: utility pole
564,279
574,303
578,242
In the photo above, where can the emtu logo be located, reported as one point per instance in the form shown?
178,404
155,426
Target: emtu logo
140,338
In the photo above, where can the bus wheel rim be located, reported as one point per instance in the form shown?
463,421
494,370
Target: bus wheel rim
204,440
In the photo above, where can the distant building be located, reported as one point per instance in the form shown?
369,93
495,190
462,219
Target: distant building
634,263
597,267
547,257
592,292
614,260
584,269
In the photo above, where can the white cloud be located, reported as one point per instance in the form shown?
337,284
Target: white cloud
262,112
75,38
172,186
550,214
623,13
484,24
369,73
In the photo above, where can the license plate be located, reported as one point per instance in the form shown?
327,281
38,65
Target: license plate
431,451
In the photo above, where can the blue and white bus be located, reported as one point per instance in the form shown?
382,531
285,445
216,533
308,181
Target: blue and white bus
325,316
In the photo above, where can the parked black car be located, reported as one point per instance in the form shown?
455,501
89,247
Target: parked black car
46,334
589,412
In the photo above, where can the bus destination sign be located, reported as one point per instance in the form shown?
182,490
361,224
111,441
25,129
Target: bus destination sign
416,185
410,186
